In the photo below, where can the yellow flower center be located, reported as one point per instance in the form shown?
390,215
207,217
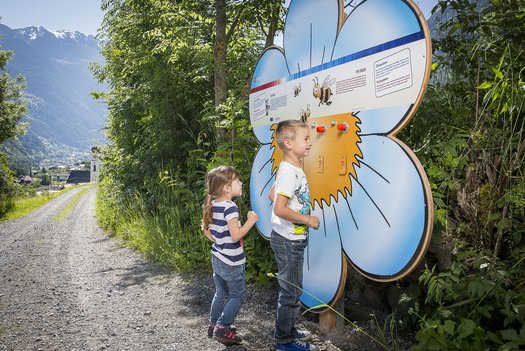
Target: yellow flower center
332,158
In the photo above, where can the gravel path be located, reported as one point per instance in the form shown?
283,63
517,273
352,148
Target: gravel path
66,285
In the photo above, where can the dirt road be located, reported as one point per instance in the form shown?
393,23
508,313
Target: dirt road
66,285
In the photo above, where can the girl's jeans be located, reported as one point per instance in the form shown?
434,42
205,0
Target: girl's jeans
230,289
289,255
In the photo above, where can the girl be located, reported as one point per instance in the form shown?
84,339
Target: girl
221,224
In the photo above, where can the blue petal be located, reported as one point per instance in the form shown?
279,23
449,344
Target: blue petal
384,120
373,23
323,261
309,32
261,181
270,67
389,229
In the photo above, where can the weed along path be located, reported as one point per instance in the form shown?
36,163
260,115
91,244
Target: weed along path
66,285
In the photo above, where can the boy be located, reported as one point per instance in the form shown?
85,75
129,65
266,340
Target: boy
290,222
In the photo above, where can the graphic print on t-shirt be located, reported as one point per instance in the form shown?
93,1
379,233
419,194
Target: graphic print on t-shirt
303,197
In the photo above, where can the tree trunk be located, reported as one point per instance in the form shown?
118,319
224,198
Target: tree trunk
272,28
219,53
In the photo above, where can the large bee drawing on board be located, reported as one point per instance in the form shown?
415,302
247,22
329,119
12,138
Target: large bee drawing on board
305,114
323,92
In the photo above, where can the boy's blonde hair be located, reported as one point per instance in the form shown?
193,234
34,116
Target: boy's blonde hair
286,130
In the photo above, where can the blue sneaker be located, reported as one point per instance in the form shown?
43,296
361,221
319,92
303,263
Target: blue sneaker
295,345
303,335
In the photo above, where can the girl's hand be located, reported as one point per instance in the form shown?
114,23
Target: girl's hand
207,233
271,194
252,217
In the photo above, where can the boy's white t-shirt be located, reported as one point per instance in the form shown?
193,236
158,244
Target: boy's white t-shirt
291,182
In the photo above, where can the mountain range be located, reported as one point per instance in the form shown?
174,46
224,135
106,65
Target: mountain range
65,122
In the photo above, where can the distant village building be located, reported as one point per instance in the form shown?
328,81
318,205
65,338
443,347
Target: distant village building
77,177
24,180
59,177
95,164
95,169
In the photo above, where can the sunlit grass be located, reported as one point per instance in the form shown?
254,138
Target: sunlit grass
169,234
26,205
66,211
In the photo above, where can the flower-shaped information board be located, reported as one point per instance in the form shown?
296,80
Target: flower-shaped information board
357,76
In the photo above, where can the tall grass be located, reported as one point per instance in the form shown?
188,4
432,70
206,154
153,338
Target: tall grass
165,226
167,231
22,206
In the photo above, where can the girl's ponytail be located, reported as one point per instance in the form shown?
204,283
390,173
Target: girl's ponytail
207,213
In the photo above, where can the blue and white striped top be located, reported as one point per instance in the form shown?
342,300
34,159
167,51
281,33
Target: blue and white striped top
225,248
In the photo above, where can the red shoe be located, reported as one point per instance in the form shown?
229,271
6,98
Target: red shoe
211,327
226,335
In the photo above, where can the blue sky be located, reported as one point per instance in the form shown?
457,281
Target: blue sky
84,16
426,6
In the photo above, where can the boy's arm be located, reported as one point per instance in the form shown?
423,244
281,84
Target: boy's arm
239,233
281,210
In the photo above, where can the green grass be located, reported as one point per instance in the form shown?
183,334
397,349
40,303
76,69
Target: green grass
70,205
169,232
169,235
25,205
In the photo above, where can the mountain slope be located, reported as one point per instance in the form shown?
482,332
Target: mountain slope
64,120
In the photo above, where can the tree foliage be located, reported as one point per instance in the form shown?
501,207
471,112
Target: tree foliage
12,104
470,137
166,124
12,109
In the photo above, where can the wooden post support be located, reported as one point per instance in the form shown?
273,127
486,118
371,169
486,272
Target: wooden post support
329,320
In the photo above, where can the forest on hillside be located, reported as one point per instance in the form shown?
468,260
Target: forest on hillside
179,76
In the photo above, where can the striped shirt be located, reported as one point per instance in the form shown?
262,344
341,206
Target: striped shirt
225,248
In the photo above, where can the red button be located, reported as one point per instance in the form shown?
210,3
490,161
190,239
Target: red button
342,126
320,129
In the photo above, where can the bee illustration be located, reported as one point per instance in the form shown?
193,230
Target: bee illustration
296,90
305,114
267,106
323,92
